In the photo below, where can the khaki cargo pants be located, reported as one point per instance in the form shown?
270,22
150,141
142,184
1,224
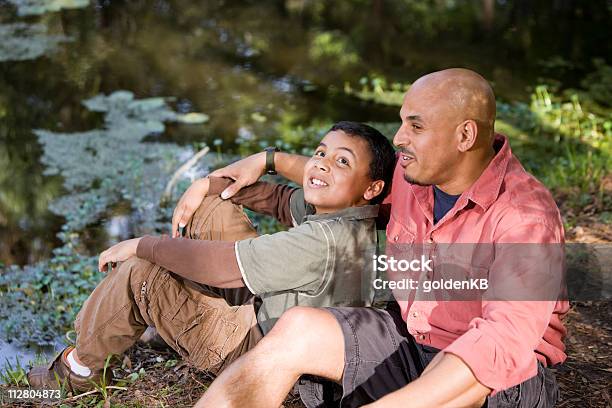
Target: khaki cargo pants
209,327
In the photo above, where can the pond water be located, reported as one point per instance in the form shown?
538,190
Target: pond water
257,68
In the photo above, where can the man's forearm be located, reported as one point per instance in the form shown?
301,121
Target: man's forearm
290,166
449,383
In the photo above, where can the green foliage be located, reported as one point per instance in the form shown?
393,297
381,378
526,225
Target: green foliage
15,376
333,48
599,83
287,135
102,386
377,90
136,375
565,145
567,119
21,41
39,302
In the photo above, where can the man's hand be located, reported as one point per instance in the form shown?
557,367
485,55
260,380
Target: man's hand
118,253
247,171
188,204
449,382
244,173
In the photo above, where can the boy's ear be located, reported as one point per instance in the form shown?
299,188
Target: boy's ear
374,190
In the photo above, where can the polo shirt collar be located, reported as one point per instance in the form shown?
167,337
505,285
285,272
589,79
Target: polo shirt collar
357,213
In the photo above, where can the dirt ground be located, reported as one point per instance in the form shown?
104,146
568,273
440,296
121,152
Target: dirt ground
585,379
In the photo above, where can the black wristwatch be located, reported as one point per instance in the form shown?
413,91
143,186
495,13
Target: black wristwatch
270,159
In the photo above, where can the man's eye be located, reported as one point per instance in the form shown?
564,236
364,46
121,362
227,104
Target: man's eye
416,126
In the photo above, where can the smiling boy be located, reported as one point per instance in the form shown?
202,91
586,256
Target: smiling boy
193,290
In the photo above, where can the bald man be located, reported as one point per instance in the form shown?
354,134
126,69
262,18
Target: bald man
456,182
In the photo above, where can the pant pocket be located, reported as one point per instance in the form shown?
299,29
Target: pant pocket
550,389
508,398
206,337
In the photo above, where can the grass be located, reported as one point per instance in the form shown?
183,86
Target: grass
14,375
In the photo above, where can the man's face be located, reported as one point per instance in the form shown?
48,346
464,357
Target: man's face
426,138
338,173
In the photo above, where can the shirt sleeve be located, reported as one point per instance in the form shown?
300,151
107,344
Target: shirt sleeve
524,282
203,261
261,197
297,259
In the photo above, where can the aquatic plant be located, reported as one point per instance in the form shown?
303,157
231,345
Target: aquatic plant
103,167
39,302
21,41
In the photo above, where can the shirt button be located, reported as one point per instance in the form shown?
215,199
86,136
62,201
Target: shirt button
395,238
415,314
422,337
431,240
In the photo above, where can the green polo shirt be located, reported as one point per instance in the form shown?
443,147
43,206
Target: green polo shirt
324,260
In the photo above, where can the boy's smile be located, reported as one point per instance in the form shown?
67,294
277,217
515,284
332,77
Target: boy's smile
337,175
315,182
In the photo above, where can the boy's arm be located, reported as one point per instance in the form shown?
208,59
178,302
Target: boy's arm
293,259
203,261
265,198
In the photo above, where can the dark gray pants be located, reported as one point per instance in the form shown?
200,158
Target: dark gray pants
382,357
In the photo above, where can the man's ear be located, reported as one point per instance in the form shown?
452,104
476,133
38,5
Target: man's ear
374,190
467,132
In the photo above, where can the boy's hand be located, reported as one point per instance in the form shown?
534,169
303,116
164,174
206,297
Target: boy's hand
244,173
118,253
188,204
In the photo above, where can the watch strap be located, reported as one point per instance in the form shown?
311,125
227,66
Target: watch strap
270,168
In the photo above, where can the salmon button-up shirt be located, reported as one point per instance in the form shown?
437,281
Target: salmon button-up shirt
501,340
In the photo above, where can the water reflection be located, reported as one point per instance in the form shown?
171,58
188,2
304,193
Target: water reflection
256,67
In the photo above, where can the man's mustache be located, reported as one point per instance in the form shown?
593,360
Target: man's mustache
406,151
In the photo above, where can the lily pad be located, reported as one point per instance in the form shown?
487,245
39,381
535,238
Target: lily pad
193,118
21,41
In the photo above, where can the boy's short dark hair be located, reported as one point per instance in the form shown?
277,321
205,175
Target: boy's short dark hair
382,161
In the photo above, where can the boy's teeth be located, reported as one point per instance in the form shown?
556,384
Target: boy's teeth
318,182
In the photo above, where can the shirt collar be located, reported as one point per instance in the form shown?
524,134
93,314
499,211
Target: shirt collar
358,213
486,189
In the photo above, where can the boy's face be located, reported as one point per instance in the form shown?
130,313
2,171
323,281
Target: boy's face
338,174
